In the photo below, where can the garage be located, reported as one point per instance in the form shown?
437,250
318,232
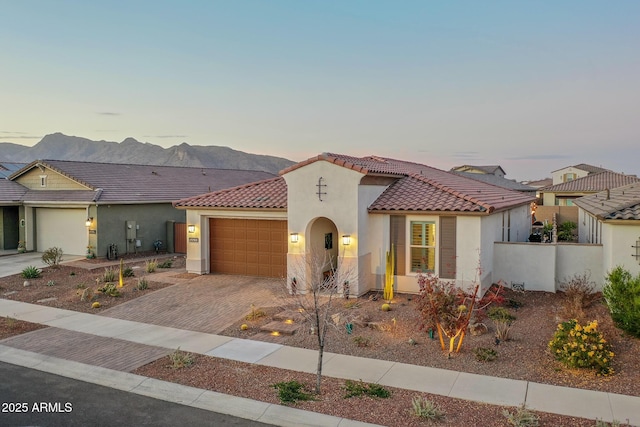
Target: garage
248,247
63,228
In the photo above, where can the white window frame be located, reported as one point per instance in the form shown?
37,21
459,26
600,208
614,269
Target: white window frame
411,245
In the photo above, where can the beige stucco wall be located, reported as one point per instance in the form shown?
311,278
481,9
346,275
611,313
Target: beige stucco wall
557,175
617,240
340,204
543,266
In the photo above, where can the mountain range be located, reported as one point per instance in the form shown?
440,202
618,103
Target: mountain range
58,146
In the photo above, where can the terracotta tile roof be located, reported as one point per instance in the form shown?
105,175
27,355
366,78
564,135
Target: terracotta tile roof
418,188
11,192
127,183
617,203
267,194
367,165
592,183
451,193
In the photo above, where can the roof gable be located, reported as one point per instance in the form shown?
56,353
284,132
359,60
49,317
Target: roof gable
585,167
116,182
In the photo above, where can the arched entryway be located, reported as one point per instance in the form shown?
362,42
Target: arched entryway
323,243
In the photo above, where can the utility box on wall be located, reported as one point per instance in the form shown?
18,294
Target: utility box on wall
131,229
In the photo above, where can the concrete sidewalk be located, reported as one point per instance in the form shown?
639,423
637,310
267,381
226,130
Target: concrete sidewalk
480,388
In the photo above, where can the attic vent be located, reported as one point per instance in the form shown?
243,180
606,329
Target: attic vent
261,198
154,173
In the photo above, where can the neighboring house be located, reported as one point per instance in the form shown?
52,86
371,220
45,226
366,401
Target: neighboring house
357,209
571,173
11,194
612,218
500,181
495,170
564,194
74,205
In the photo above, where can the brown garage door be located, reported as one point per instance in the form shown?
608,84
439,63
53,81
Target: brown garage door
248,246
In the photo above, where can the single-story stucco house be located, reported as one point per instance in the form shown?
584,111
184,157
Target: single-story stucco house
357,208
611,218
75,205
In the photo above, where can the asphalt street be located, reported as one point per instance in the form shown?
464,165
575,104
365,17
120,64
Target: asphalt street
33,398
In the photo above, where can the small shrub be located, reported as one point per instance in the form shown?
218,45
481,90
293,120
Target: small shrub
513,303
502,320
577,346
95,305
291,392
81,286
52,257
109,275
73,273
31,272
361,341
180,359
614,423
165,264
386,307
85,293
127,272
484,354
426,409
565,231
51,283
522,417
579,293
142,284
10,322
359,388
110,289
622,294
255,313
351,304
150,266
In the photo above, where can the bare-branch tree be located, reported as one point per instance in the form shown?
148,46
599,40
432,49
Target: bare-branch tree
316,281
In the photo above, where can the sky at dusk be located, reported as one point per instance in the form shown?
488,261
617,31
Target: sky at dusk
532,86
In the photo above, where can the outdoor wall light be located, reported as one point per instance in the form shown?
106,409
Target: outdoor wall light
88,221
346,239
294,237
191,228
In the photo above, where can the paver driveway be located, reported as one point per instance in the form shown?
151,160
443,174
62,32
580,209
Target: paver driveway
207,303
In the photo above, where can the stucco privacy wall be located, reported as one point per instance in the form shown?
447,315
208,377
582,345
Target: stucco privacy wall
618,239
541,266
198,257
339,202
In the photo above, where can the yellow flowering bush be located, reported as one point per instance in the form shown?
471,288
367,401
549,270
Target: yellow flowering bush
577,346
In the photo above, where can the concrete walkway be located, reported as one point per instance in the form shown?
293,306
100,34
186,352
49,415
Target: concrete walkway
480,388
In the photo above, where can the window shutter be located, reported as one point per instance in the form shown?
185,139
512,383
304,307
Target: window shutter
398,240
448,254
